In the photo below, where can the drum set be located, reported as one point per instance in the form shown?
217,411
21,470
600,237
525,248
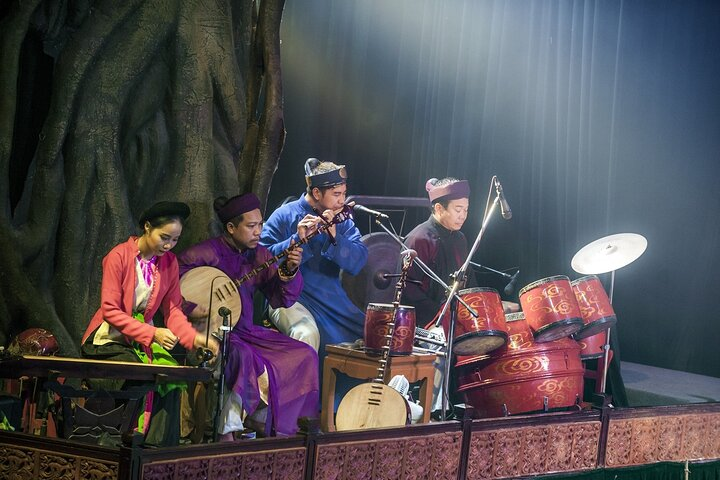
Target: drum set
533,360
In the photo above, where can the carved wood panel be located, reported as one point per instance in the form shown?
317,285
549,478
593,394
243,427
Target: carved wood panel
268,464
650,439
527,451
423,457
23,462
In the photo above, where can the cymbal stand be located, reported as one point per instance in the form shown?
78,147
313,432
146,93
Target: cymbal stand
606,347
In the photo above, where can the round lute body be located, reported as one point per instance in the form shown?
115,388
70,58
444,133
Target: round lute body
211,289
372,405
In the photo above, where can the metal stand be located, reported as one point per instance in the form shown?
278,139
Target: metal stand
459,280
452,294
606,347
221,376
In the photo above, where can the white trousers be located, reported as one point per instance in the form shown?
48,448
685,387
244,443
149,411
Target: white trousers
296,322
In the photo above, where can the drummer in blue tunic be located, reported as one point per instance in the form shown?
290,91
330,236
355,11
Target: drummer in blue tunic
323,314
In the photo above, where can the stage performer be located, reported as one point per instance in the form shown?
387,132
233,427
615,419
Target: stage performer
291,366
140,278
323,314
440,244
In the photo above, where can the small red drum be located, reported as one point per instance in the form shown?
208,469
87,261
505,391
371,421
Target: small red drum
487,332
593,346
377,318
524,376
595,307
550,308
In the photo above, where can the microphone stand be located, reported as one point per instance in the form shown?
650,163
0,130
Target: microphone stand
221,376
460,277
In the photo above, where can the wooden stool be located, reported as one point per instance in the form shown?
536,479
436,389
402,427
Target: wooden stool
358,364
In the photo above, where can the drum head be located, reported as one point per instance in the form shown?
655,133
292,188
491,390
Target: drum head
558,330
479,343
595,327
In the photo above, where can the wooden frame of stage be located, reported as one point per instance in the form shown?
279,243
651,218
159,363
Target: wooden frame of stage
511,447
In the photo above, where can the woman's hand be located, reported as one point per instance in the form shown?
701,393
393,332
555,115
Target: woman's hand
165,338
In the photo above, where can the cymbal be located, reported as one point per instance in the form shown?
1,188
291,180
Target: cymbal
369,285
609,253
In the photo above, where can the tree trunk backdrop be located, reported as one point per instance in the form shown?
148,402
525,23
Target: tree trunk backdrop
107,107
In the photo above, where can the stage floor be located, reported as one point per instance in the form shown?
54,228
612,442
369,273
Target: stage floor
653,386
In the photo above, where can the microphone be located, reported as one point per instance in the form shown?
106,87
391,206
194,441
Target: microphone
374,213
224,312
504,206
511,285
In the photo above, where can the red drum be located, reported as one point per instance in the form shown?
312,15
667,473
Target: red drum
593,346
523,377
597,312
487,332
551,309
377,317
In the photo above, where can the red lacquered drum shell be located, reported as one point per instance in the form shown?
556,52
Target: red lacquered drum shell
597,312
550,308
487,332
594,346
521,375
377,317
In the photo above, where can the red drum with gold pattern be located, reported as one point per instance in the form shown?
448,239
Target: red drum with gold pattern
594,346
595,307
487,332
550,308
377,318
524,376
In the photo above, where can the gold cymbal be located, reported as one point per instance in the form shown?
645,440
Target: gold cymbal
609,253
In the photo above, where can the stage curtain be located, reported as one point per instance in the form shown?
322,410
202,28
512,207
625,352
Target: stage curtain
599,117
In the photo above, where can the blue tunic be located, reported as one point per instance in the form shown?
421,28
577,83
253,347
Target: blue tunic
337,318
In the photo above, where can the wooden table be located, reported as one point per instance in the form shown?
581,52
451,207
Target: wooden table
358,364
48,369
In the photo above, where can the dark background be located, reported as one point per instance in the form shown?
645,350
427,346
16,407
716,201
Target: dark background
598,117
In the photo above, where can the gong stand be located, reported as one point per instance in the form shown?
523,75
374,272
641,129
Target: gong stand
425,269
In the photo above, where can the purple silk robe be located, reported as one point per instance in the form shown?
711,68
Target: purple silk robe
292,366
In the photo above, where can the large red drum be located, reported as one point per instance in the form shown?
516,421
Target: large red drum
523,377
377,318
487,332
550,308
595,307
